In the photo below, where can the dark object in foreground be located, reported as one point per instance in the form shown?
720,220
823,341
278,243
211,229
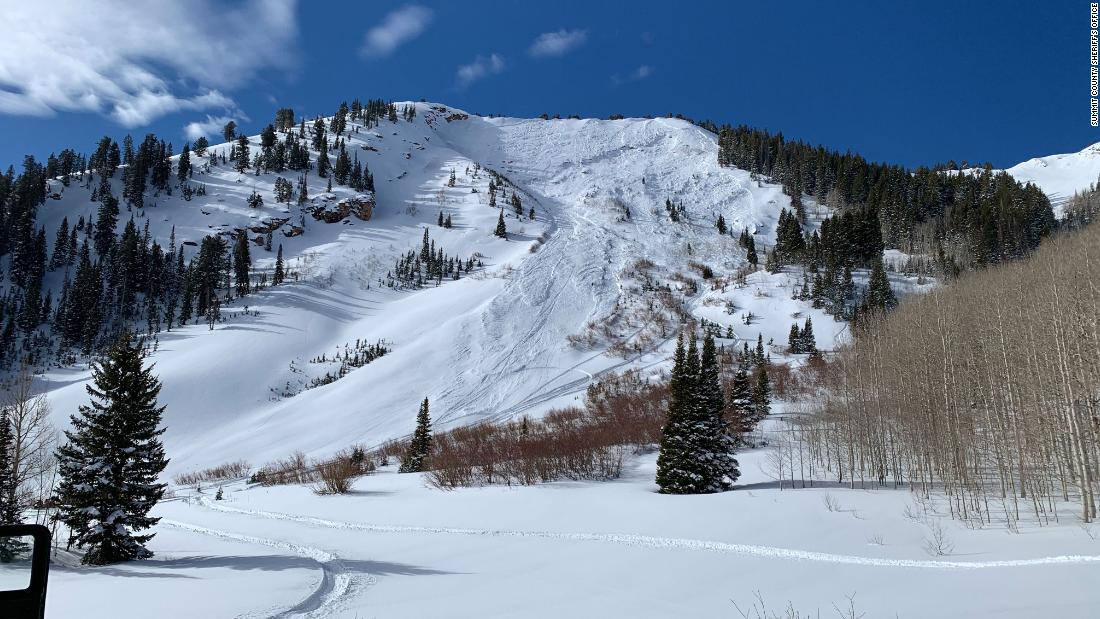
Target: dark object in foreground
28,603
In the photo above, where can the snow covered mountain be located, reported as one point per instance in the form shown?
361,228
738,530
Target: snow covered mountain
1060,176
568,295
595,282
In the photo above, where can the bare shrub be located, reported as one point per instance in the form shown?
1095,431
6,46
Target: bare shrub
830,502
759,610
876,539
937,543
622,412
292,470
221,472
334,476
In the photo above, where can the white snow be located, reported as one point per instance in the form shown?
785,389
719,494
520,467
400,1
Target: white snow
496,345
1060,176
395,547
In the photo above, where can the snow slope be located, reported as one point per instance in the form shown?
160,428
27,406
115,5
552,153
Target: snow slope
562,300
1060,176
395,547
489,346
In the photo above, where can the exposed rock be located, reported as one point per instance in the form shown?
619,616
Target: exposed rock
269,226
361,207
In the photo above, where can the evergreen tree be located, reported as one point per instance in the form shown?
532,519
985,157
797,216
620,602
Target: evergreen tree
696,453
421,444
242,263
229,131
742,410
113,455
806,340
721,224
106,221
761,394
501,230
673,477
183,172
60,255
794,340
715,452
279,274
10,547
242,154
880,296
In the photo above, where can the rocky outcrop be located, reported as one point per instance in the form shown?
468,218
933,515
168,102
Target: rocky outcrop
361,207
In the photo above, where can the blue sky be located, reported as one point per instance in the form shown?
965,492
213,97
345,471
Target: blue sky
908,82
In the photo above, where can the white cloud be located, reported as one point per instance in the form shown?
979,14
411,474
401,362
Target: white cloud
135,62
398,27
211,127
557,43
640,73
482,66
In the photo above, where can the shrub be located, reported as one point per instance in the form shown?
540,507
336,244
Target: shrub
228,470
622,412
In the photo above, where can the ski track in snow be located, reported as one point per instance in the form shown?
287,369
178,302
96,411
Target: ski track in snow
670,543
336,582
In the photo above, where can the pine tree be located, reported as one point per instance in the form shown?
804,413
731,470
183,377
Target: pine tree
721,224
794,340
10,547
113,455
421,444
696,453
242,263
761,394
715,451
742,411
184,170
880,296
672,474
279,273
501,230
242,154
806,340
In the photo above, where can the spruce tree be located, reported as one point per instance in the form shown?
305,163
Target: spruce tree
672,474
184,170
740,399
242,264
761,394
111,460
879,294
279,273
806,340
715,453
794,340
10,514
501,230
421,444
10,547
242,157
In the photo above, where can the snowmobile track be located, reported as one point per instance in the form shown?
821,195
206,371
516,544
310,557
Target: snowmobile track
672,543
335,579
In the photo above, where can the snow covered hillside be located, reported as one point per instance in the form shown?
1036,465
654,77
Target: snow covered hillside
594,275
1060,176
569,294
